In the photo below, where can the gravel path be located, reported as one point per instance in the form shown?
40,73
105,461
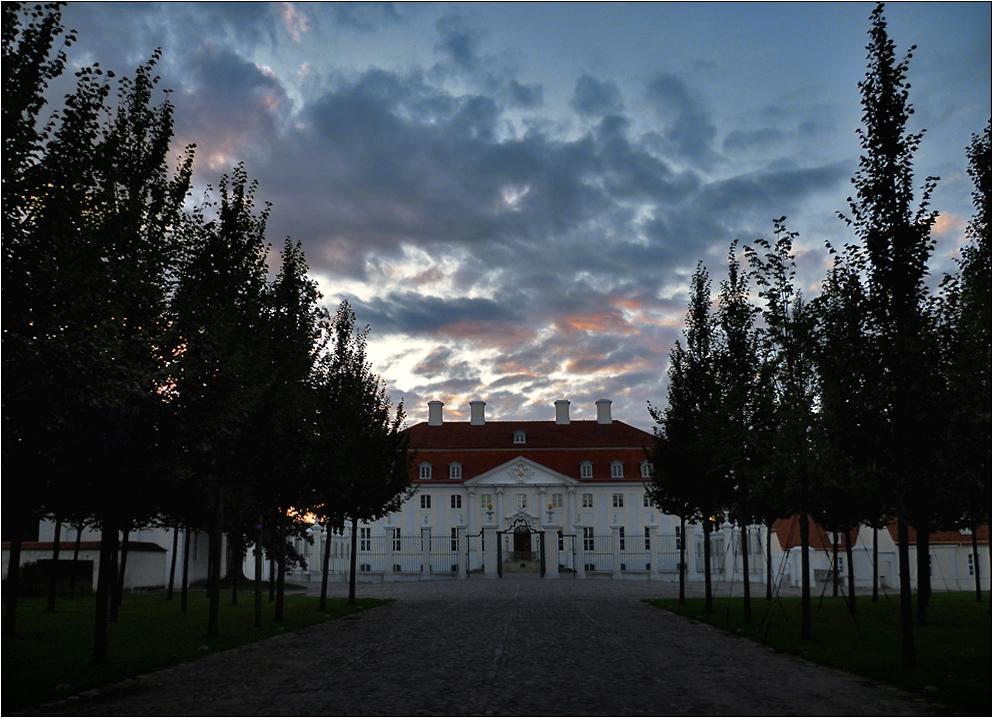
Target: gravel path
516,646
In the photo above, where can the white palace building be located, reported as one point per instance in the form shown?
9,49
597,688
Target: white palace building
545,496
560,497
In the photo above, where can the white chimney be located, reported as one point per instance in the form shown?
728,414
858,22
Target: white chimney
435,412
562,411
603,411
476,408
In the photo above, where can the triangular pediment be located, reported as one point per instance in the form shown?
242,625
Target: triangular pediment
521,471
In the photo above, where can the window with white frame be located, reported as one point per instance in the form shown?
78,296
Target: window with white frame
621,538
679,537
396,539
557,501
969,564
521,501
364,539
424,471
455,539
588,539
617,500
519,436
645,501
486,501
587,501
586,470
560,536
455,471
648,540
455,501
646,468
425,501
617,469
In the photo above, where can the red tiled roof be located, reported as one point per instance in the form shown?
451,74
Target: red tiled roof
788,533
560,447
954,537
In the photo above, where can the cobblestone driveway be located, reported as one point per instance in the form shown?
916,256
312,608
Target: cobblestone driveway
516,646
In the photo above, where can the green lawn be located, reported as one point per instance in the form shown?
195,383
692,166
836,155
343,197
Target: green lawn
53,649
953,652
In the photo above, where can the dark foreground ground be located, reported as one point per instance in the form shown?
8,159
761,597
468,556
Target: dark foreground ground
519,646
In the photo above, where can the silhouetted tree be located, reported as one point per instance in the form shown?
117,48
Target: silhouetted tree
898,245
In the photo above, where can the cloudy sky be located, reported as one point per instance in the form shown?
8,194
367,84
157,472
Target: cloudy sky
514,196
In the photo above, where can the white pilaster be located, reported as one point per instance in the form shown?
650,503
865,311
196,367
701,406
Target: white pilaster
551,550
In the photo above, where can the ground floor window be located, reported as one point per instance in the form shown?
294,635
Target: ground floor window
588,539
364,539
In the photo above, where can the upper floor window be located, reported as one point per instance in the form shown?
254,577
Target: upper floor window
645,501
485,501
587,501
521,501
455,501
557,501
425,501
455,471
519,436
646,468
618,500
586,470
424,472
365,540
617,469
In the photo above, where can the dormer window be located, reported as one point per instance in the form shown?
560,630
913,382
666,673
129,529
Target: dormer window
586,470
519,436
455,470
424,471
646,469
617,469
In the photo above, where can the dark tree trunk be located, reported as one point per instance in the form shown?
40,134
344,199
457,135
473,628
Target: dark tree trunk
352,560
119,594
54,574
924,571
907,615
214,565
75,560
280,565
708,599
683,560
876,565
106,579
769,563
976,561
835,564
115,566
13,580
172,564
258,573
325,561
852,573
805,579
237,554
184,589
747,611
272,572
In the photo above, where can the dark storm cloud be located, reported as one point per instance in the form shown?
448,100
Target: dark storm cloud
366,16
458,42
593,97
231,107
689,130
761,139
417,314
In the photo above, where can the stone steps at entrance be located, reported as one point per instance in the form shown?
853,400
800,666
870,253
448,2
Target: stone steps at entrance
522,565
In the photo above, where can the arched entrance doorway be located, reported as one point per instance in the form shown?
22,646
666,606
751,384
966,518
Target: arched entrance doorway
516,546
